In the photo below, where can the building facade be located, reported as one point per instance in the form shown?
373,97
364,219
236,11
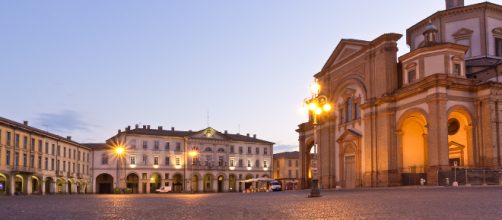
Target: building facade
287,169
397,120
160,157
33,161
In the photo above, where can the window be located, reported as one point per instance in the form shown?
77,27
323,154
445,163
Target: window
25,142
240,150
155,160
232,162
178,161
265,164
156,145
8,138
46,163
178,146
53,146
167,162
357,111
104,158
249,150
132,160
39,162
412,74
249,163
289,163
7,157
289,173
166,176
40,146
348,109
32,145
25,162
498,47
47,147
257,150
145,144
231,149
64,151
265,151
16,141
457,69
220,161
221,150
59,150
208,149
32,161
257,163
240,163
64,165
296,163
166,146
144,176
145,159
133,144
52,164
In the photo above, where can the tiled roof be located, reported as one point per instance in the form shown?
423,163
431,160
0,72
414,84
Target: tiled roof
288,155
188,134
96,146
28,128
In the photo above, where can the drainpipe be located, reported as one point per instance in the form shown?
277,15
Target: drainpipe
497,127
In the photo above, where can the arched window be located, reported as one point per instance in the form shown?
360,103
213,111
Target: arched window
348,109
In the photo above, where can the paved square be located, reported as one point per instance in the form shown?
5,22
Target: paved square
382,203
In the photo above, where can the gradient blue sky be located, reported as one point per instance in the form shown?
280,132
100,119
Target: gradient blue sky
88,68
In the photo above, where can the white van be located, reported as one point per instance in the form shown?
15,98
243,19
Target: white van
275,186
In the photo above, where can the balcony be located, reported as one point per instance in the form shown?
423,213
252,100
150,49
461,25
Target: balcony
23,169
70,174
209,166
80,175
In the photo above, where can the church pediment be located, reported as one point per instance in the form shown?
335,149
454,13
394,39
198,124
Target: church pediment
208,133
349,135
462,33
344,49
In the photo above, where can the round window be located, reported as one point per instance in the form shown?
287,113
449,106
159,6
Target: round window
453,126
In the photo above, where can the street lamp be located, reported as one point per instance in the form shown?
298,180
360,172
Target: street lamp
119,151
316,104
193,153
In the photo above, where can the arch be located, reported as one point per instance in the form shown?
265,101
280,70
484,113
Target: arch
412,144
208,182
351,79
35,185
177,182
4,180
155,182
132,182
104,183
18,184
232,179
49,181
412,112
194,186
460,133
307,162
220,180
248,185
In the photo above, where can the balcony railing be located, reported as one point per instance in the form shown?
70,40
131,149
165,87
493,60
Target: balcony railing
70,174
60,173
23,169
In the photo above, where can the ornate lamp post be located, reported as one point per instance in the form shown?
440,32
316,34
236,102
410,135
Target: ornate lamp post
317,104
119,151
193,153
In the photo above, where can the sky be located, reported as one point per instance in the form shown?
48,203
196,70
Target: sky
88,68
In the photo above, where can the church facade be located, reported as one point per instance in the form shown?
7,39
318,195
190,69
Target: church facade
397,120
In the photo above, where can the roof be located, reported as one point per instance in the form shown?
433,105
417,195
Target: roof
96,146
191,134
31,129
287,155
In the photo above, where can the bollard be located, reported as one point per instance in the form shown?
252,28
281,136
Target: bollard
447,181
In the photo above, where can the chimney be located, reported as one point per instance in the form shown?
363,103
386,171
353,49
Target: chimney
68,137
226,132
172,128
454,4
128,128
148,127
119,131
247,134
25,123
144,126
254,136
160,128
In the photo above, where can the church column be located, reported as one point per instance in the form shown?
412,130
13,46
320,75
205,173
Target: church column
27,184
12,184
437,129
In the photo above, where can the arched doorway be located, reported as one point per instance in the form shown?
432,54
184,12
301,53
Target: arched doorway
18,184
3,184
309,164
195,186
104,184
208,183
177,183
413,149
35,185
60,185
220,183
79,187
133,182
69,187
248,185
48,183
231,183
459,139
155,182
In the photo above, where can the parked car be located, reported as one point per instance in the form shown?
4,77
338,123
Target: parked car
164,189
275,186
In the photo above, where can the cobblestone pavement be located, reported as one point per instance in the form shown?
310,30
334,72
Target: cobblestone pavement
381,203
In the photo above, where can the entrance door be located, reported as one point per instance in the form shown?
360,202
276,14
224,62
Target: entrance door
105,188
350,171
220,184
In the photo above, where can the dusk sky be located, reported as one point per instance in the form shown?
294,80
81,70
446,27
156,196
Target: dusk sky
88,68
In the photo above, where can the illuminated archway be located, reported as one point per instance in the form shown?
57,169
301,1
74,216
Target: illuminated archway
104,183
155,182
18,184
459,138
133,182
208,183
231,183
3,184
413,148
220,183
177,183
195,185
